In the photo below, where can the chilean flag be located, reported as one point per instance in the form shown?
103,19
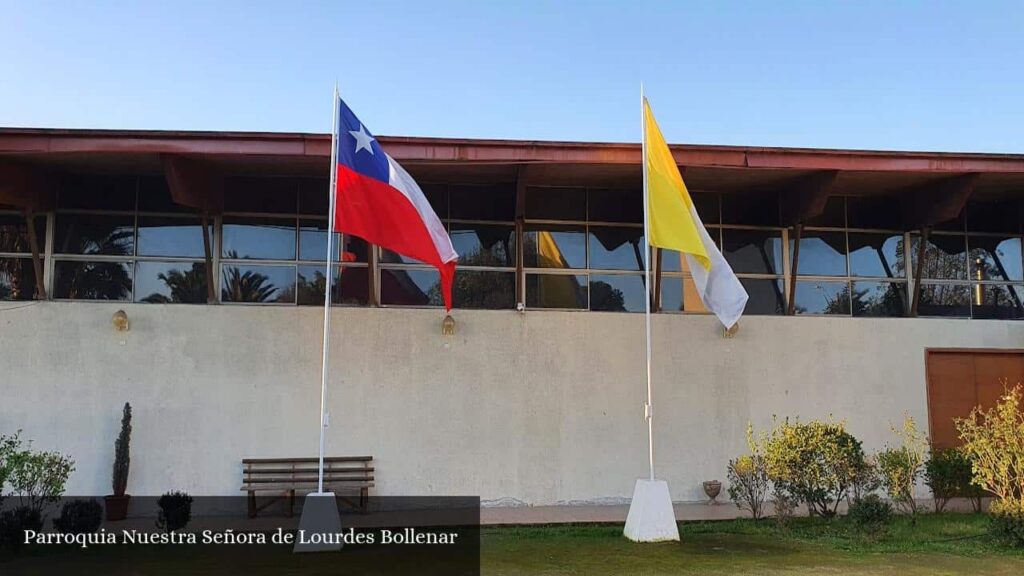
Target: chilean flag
377,200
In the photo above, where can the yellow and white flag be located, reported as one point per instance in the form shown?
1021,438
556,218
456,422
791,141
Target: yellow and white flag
673,223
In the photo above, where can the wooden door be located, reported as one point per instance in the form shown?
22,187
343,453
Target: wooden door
959,380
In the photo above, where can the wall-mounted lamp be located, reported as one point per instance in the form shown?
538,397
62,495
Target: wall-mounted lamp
731,331
120,321
448,326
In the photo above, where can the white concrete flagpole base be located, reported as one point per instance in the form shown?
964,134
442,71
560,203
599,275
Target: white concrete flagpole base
319,525
651,517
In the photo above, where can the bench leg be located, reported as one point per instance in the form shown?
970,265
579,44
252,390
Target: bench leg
252,504
364,498
291,503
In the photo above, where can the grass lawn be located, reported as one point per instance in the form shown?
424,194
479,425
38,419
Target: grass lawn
939,544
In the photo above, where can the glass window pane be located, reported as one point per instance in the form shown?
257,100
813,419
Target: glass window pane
98,193
248,194
92,280
484,244
834,215
945,256
995,258
877,255
108,234
484,290
753,251
995,216
494,202
997,301
706,204
753,209
626,206
822,297
544,203
821,253
954,225
17,279
556,291
945,300
155,196
313,243
616,248
410,288
766,296
672,261
313,196
349,287
267,238
14,234
617,292
258,284
170,282
554,247
880,299
874,212
163,236
680,294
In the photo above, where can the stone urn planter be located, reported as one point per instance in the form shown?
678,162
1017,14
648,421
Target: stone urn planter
712,488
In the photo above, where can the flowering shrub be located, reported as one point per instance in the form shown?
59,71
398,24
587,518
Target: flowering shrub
900,466
748,478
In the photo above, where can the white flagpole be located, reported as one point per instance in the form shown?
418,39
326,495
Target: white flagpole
327,289
648,407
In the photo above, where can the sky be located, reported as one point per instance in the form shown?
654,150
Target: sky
893,75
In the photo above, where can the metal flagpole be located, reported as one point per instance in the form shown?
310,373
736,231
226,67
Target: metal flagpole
327,289
648,407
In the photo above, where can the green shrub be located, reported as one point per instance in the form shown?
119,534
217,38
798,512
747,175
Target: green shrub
948,474
79,517
901,466
40,477
14,523
175,511
870,515
748,484
1008,522
817,463
122,456
865,479
10,453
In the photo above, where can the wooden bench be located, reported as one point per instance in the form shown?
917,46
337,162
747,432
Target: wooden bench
286,476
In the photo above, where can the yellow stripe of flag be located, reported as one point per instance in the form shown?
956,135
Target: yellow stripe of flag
669,206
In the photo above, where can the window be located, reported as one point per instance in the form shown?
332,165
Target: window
17,271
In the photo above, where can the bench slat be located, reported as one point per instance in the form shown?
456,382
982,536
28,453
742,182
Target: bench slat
302,486
307,470
306,460
303,479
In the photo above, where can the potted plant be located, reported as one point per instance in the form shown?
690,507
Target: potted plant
117,503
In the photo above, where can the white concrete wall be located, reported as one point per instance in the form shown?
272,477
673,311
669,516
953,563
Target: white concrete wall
536,408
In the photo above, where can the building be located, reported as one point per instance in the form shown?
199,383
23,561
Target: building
212,243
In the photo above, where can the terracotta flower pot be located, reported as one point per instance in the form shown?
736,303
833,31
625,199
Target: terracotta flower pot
117,507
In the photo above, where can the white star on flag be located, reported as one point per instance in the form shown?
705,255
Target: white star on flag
363,139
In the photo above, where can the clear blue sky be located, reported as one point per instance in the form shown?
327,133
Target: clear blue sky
888,75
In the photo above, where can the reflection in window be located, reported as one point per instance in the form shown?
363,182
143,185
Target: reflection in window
995,216
410,288
822,297
877,255
880,299
616,248
160,236
945,300
257,284
833,216
14,234
170,282
483,202
556,203
874,212
98,193
995,258
263,238
751,209
483,290
617,292
350,286
112,235
484,244
265,195
821,253
610,205
92,280
672,261
313,243
766,296
753,251
680,294
945,256
554,247
567,291
17,279
997,301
